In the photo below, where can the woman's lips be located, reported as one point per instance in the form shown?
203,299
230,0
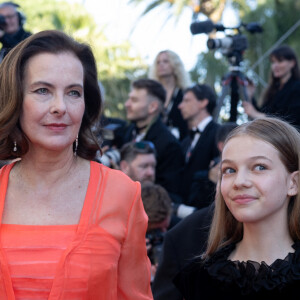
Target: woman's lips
56,126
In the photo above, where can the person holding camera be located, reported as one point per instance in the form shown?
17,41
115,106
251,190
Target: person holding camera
158,207
11,27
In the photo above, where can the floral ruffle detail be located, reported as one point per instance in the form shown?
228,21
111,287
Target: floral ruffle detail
252,276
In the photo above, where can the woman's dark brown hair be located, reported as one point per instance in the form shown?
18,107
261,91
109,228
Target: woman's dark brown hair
12,72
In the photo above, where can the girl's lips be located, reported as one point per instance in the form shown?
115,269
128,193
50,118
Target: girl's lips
243,199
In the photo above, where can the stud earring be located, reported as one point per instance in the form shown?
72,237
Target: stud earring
76,146
15,147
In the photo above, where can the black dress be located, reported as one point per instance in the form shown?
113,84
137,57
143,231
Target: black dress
285,103
173,117
220,278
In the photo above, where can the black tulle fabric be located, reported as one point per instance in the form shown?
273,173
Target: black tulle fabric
251,276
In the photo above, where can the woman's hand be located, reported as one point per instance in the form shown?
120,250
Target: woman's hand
251,111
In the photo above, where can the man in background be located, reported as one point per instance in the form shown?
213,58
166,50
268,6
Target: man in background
11,27
144,107
200,146
138,161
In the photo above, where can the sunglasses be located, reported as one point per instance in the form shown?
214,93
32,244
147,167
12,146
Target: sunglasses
142,145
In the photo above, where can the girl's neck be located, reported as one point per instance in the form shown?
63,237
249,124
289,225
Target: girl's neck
263,245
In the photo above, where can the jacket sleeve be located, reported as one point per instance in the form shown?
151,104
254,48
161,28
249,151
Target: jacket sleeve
134,265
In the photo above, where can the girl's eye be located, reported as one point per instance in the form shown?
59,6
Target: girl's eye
42,91
259,168
228,170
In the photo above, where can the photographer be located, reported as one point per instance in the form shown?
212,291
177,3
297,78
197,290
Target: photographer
11,27
158,207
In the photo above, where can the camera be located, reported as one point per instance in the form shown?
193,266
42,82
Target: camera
2,22
156,238
110,157
229,44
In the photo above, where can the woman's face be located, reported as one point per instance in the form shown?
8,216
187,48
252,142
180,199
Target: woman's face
282,69
53,103
255,184
163,64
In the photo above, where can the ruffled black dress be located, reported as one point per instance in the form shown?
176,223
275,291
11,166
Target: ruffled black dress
220,278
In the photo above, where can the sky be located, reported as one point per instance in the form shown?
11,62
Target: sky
151,33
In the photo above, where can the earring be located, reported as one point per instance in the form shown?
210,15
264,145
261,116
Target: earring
15,147
76,146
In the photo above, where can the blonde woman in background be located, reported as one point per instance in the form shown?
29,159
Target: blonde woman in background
169,70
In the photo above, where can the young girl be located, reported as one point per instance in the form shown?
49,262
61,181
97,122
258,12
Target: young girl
253,247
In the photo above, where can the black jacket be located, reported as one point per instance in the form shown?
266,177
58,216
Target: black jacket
169,155
181,244
203,153
11,40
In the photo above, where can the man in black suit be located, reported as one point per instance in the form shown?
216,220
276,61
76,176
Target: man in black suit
143,109
200,146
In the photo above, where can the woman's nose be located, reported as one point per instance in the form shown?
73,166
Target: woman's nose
58,104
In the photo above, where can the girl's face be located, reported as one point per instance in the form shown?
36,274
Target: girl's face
255,184
282,69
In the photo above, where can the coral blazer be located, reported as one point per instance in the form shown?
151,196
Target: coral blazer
107,258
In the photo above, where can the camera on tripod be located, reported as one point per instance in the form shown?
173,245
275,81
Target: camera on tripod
233,47
230,45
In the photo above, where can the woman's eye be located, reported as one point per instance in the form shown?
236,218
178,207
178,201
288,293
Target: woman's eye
75,93
42,91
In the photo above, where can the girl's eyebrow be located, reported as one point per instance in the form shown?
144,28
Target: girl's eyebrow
250,158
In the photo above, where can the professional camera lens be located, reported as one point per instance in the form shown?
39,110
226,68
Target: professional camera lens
224,43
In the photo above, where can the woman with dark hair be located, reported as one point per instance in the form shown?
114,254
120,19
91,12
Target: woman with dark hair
253,249
282,97
70,227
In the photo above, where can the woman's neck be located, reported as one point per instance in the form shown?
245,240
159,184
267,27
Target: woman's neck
285,79
40,168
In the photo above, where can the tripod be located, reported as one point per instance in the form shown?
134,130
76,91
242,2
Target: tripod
236,82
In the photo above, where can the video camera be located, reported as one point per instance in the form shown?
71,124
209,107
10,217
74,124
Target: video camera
230,45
